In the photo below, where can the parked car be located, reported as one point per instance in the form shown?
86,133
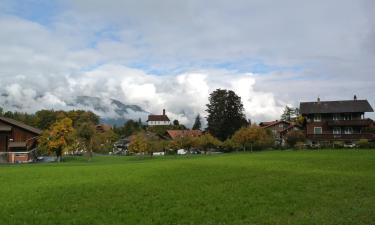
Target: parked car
181,152
349,145
158,153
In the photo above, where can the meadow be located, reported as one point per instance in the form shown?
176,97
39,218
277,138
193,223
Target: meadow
271,187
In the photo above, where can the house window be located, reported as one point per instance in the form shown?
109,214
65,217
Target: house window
281,125
317,130
347,117
337,130
348,130
317,117
336,116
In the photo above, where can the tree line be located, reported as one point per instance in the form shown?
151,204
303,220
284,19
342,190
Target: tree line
227,129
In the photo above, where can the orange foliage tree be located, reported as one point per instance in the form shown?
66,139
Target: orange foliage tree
57,138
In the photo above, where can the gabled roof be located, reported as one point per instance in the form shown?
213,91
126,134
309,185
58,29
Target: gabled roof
272,123
184,133
20,125
349,106
158,118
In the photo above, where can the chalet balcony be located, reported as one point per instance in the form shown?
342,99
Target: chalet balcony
330,136
353,123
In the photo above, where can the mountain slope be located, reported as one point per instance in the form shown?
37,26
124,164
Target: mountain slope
111,111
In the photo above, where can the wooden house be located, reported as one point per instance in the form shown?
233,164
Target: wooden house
328,121
280,129
16,140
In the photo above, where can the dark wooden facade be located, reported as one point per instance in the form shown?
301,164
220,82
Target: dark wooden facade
279,129
328,121
16,138
276,127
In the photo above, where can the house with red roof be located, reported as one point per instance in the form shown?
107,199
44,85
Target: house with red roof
173,134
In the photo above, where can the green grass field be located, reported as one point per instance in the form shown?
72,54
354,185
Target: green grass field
274,187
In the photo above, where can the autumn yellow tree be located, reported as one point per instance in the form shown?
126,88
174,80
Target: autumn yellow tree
140,144
230,145
57,138
103,142
207,142
254,136
185,142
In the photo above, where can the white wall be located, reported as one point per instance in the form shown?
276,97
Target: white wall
158,123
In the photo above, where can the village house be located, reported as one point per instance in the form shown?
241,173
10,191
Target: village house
275,126
329,121
158,120
17,140
279,129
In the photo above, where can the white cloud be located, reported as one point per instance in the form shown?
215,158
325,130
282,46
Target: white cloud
183,96
329,43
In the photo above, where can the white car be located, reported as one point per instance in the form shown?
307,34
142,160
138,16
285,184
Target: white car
349,145
181,152
158,153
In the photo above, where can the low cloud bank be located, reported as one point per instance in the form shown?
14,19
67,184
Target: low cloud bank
183,95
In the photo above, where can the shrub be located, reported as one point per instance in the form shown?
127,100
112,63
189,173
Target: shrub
299,145
295,136
338,144
363,143
253,138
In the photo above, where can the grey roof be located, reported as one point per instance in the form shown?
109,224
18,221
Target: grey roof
21,125
335,106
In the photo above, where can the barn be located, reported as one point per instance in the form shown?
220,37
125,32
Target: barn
17,140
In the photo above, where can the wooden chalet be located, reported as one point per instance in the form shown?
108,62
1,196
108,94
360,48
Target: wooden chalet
328,121
16,140
279,129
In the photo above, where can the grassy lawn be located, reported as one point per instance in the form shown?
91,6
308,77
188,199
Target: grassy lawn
275,187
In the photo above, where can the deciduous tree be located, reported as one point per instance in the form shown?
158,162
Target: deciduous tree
253,137
295,136
57,138
207,142
86,132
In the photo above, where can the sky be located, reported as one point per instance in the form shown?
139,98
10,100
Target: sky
172,54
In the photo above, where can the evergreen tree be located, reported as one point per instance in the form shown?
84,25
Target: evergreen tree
289,114
197,123
225,114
